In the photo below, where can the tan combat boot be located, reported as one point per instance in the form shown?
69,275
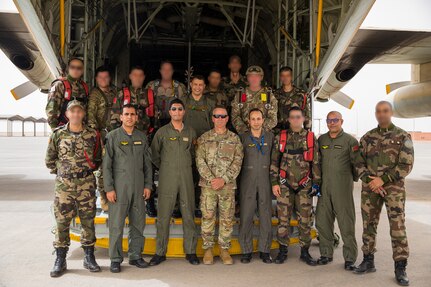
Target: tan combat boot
225,257
208,257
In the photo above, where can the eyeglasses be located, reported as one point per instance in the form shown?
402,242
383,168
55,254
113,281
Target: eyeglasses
76,68
220,116
333,121
180,109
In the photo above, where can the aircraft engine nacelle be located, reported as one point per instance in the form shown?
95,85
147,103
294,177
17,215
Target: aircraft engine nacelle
412,101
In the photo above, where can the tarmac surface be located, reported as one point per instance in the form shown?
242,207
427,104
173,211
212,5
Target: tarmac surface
26,193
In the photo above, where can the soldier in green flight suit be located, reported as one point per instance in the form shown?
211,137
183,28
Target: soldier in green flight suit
339,154
127,171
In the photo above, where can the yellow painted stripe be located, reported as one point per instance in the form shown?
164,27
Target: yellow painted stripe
14,94
351,104
388,89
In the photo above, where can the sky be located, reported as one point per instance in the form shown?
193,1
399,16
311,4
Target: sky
367,87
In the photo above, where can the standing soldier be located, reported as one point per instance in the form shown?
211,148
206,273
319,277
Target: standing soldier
198,116
73,154
128,181
214,91
255,188
218,159
387,158
295,178
65,90
288,96
235,82
173,151
254,96
143,98
339,152
100,102
165,89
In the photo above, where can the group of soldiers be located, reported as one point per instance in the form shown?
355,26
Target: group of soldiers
223,148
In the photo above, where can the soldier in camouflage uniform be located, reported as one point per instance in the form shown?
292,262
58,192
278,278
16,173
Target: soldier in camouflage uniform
73,154
387,158
214,90
289,96
63,91
165,89
99,114
295,178
218,158
235,82
254,96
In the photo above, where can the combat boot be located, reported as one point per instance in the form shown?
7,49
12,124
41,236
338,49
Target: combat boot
89,259
282,255
151,207
225,257
366,266
400,273
60,262
306,257
208,257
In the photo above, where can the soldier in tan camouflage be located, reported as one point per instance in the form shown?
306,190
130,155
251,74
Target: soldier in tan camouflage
235,82
288,96
63,91
254,96
73,154
99,114
165,89
295,178
214,90
387,158
218,158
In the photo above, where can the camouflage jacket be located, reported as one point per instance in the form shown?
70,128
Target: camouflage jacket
137,97
386,153
56,105
218,96
73,153
219,156
230,88
244,102
163,96
99,110
293,162
287,100
198,113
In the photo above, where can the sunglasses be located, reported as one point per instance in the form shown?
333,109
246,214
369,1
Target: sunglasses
180,109
76,68
333,121
220,116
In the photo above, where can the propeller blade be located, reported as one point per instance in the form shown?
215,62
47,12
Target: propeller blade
393,86
343,99
23,90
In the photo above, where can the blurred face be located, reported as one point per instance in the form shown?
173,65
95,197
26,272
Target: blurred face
177,112
220,118
254,80
103,79
76,69
286,78
296,120
137,78
129,117
383,114
256,120
234,66
334,122
75,115
166,71
197,86
214,80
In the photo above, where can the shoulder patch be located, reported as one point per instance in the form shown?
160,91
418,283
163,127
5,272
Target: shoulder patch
408,143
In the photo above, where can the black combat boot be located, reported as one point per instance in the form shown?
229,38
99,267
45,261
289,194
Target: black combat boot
306,257
282,255
400,273
89,259
60,262
366,266
151,207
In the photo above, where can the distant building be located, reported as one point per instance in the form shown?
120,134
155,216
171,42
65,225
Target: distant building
11,121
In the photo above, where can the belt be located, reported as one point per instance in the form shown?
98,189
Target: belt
81,174
295,151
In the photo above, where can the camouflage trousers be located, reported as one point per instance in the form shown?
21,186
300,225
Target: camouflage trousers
75,197
288,203
225,199
371,207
